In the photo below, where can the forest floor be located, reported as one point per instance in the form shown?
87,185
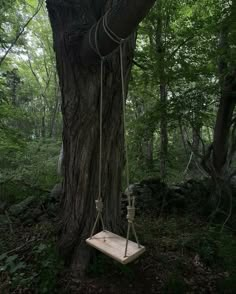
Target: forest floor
184,255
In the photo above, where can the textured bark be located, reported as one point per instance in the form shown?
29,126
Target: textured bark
226,106
79,75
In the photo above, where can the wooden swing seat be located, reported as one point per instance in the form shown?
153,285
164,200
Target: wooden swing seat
114,246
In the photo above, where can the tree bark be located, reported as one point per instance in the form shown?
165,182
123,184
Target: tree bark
79,75
226,106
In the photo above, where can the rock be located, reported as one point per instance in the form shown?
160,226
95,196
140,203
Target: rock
148,196
19,208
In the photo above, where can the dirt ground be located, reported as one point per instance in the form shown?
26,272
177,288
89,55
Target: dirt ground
182,256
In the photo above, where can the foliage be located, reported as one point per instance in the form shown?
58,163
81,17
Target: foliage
102,264
31,171
31,126
48,265
30,99
175,284
36,268
11,263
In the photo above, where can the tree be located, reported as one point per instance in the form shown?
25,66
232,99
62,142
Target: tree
79,76
222,155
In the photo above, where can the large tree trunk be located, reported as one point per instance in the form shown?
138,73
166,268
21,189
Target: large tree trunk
79,75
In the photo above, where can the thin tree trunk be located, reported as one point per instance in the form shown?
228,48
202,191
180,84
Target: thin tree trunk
54,116
55,110
160,49
147,150
164,133
183,138
226,106
43,129
196,138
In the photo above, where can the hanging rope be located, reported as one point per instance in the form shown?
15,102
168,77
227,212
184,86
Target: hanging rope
99,202
131,200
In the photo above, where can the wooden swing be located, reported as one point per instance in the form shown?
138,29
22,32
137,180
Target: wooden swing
119,248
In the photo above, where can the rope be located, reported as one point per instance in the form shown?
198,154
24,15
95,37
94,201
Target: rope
131,200
124,124
101,134
115,38
99,202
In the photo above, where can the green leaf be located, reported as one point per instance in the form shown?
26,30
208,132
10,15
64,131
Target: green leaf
11,258
16,267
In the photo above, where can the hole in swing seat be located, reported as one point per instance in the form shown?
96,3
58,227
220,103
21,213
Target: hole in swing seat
114,246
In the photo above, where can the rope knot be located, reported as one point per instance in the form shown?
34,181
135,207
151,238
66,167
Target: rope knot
130,214
99,205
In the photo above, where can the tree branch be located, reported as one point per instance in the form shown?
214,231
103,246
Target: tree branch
179,46
139,65
123,19
40,4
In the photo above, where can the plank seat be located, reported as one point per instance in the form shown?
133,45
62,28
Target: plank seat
114,246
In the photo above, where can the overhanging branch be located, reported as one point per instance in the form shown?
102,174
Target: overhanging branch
179,46
123,19
139,65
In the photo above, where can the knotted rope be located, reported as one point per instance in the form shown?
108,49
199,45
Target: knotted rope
99,202
131,200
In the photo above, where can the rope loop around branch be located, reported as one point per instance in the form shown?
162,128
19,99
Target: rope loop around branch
112,35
